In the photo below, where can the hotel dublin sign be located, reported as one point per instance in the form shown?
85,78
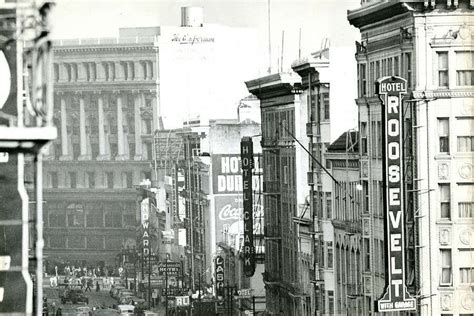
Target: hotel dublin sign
396,297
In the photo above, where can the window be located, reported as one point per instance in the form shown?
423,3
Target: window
113,151
465,209
325,103
94,218
330,302
75,215
285,174
148,150
367,254
377,70
396,69
127,181
466,275
443,67
90,176
465,143
330,253
363,79
109,180
57,241
465,68
95,242
53,179
76,242
76,151
113,219
408,71
389,67
443,133
363,138
328,205
446,267
72,180
57,217
444,197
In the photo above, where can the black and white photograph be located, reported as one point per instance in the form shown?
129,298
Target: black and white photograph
237,157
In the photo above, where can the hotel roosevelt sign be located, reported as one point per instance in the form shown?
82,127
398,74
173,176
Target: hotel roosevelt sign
396,297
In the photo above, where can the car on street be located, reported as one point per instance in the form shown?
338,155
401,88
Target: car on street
126,309
74,296
83,311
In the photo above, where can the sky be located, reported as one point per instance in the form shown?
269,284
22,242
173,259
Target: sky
315,19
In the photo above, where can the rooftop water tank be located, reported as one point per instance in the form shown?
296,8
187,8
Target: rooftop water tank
192,16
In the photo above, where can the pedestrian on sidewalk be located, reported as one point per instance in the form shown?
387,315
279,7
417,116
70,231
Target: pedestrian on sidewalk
97,286
89,284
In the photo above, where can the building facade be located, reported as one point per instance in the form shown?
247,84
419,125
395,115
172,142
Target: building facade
106,112
429,43
288,261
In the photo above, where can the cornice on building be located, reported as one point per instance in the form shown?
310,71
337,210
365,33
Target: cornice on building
273,85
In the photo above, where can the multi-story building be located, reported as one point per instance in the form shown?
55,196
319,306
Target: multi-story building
429,43
106,110
345,255
287,254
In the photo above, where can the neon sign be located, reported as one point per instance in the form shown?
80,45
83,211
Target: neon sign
396,297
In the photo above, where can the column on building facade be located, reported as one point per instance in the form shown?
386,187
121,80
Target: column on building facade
119,73
64,139
138,126
138,71
82,129
100,71
120,148
101,122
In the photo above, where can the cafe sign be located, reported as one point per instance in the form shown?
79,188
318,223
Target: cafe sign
396,297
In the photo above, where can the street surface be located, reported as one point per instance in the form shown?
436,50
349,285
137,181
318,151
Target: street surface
101,298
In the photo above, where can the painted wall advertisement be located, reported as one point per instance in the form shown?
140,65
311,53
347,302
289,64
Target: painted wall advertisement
396,297
229,216
227,174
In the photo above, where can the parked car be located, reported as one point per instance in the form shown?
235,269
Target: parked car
74,296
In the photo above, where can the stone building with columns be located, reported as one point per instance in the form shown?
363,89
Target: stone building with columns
105,103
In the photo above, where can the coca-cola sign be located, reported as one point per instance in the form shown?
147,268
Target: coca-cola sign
229,213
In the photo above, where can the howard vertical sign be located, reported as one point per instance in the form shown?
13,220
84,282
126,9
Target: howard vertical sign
145,221
246,154
396,297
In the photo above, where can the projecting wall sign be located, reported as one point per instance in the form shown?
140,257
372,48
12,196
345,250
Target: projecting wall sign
396,297
246,151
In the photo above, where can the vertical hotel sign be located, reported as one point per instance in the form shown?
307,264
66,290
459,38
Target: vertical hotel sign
396,296
246,153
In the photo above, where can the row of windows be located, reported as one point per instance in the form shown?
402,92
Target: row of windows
465,205
465,275
75,216
278,124
108,71
110,148
391,66
91,180
84,242
319,107
465,143
464,68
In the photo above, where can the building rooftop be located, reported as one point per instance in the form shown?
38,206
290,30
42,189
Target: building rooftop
346,144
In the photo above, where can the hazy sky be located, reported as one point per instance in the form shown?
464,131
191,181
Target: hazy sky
316,18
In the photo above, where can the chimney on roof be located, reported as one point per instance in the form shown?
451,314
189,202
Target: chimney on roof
192,16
